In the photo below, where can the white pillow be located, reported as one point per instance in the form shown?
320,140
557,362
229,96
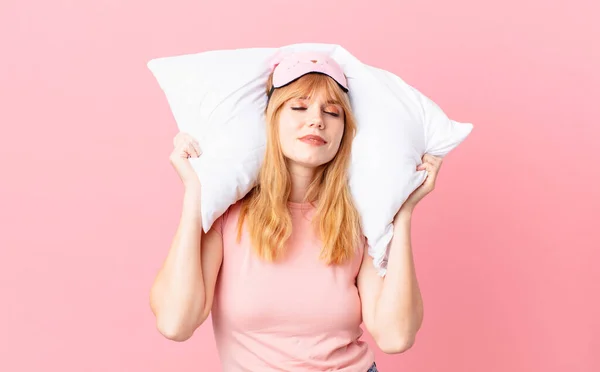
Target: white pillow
219,98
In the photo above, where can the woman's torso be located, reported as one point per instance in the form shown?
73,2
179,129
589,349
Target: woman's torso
298,314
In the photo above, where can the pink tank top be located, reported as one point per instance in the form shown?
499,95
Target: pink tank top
297,314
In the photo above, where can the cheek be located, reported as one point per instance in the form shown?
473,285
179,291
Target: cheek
287,135
337,134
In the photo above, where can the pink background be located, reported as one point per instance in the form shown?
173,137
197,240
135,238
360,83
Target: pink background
506,247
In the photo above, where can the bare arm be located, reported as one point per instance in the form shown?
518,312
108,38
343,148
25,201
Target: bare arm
392,306
182,293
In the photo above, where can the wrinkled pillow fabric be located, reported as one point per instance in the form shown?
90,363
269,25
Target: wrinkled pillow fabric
219,98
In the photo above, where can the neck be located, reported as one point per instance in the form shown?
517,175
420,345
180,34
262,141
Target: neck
301,179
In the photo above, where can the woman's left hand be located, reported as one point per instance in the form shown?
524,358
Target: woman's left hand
432,165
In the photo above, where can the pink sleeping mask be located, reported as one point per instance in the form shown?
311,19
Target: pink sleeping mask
295,65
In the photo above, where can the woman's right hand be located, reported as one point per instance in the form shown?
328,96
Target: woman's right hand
185,146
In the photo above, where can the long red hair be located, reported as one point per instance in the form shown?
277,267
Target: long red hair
265,209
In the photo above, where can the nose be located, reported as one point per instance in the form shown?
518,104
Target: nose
316,121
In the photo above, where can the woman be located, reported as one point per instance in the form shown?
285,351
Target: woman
285,272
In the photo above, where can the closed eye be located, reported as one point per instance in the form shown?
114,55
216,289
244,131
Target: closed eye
334,114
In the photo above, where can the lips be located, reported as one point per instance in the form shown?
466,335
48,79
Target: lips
313,140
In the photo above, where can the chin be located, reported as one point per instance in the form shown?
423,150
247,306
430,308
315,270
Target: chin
312,162
310,159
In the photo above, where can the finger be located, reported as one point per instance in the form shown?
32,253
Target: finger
197,148
183,150
192,141
431,159
425,164
436,162
424,160
430,169
192,149
189,148
434,159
